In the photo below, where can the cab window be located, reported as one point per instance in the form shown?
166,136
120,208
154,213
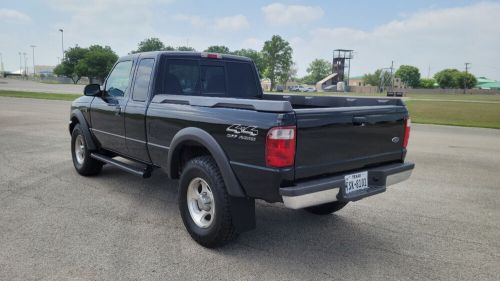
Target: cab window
142,79
119,79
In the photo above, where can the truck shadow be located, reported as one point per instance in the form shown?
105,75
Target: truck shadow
280,234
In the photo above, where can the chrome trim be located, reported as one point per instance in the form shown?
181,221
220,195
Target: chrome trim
311,199
397,178
126,138
158,145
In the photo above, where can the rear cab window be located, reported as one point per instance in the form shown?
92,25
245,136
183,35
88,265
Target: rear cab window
209,77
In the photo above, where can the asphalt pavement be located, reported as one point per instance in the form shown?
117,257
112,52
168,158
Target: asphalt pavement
442,224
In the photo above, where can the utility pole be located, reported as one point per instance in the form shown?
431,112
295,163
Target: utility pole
392,78
58,60
429,72
34,72
62,42
465,77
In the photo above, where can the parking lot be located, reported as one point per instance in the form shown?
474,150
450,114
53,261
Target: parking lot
442,224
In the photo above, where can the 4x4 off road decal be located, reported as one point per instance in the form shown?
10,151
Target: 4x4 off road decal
242,132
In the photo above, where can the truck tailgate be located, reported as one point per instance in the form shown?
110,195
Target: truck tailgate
332,140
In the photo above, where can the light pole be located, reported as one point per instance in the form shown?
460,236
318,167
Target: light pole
20,64
1,64
62,42
58,60
25,65
33,47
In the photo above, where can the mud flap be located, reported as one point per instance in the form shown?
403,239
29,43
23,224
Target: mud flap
243,213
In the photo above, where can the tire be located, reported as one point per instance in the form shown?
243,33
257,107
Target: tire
327,208
204,203
84,164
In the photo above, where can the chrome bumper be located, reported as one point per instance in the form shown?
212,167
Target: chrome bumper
317,192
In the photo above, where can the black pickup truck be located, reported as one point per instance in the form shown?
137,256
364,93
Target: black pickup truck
204,119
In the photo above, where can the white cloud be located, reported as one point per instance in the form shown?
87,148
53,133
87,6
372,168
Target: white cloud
440,38
13,16
280,14
231,23
195,21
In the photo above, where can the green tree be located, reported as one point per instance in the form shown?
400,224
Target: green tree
277,55
410,75
149,44
427,83
256,56
379,78
97,62
186,49
465,79
218,49
447,78
68,67
319,69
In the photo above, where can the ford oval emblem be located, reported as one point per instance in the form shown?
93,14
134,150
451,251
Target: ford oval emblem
395,139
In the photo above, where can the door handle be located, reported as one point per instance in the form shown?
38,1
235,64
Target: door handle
118,110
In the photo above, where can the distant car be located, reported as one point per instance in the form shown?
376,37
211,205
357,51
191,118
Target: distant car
279,88
309,89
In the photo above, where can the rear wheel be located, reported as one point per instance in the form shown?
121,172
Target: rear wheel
327,208
204,203
84,164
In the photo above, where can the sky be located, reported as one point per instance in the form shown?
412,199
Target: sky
431,35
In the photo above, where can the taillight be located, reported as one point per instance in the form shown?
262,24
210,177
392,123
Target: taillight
407,132
280,147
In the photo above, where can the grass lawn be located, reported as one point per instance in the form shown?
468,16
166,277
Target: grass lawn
483,114
455,113
35,95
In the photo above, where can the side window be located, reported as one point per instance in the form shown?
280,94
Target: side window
118,80
182,77
142,79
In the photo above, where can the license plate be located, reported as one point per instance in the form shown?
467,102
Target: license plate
355,182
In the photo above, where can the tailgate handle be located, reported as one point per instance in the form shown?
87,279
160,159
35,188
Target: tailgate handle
359,120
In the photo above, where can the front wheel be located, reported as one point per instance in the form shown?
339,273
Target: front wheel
204,203
84,164
327,208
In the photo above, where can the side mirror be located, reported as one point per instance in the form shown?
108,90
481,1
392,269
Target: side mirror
92,90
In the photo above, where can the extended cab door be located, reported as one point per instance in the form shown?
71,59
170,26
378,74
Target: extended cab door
135,111
106,112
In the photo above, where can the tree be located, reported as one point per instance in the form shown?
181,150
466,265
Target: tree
465,79
447,78
68,67
277,55
97,62
149,44
186,49
319,69
218,49
256,56
379,78
410,75
427,83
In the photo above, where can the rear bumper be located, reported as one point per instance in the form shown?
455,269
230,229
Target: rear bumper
320,191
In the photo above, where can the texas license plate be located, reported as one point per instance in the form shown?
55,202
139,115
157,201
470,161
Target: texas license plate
355,182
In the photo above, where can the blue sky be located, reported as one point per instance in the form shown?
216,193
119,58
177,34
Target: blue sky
435,34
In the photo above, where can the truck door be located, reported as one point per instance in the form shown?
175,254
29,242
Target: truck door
135,112
106,112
